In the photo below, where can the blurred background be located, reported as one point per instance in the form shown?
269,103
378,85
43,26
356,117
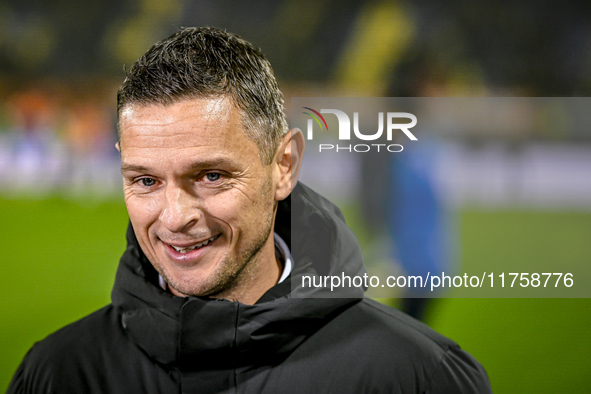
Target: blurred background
61,207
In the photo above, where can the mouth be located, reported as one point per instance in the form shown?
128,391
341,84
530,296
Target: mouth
187,249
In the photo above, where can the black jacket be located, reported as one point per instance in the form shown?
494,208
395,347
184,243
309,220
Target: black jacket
300,341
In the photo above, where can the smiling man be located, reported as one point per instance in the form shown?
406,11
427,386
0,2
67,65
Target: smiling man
208,296
200,199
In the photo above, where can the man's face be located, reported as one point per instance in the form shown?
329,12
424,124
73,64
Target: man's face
199,198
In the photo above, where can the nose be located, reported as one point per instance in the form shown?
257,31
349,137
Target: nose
180,211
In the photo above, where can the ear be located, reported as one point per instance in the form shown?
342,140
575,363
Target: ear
288,162
118,147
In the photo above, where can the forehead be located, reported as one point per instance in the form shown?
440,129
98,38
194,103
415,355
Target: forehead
186,117
185,133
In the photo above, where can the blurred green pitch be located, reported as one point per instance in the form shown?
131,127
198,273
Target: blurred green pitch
59,259
58,264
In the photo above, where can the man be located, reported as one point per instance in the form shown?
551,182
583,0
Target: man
207,297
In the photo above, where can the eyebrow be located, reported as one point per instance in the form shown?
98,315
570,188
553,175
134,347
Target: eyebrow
197,165
133,168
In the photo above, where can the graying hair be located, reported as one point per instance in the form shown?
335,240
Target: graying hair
207,62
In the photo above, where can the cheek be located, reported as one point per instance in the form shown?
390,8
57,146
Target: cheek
235,209
225,207
254,213
142,211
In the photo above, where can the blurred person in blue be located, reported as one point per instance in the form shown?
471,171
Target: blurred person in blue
408,204
208,296
408,207
419,221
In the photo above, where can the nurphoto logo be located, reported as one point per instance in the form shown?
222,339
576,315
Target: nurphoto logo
344,130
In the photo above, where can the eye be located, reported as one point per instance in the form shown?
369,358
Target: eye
213,176
147,182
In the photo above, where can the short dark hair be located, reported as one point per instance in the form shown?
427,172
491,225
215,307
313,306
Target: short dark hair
208,62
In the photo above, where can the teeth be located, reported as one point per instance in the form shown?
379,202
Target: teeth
185,250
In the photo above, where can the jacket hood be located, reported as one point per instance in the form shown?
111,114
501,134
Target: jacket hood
203,333
323,245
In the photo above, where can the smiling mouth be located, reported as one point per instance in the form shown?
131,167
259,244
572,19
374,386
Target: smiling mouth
199,245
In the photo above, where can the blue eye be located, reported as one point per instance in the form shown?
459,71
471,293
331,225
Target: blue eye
213,176
148,182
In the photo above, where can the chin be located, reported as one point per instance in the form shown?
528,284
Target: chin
200,286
